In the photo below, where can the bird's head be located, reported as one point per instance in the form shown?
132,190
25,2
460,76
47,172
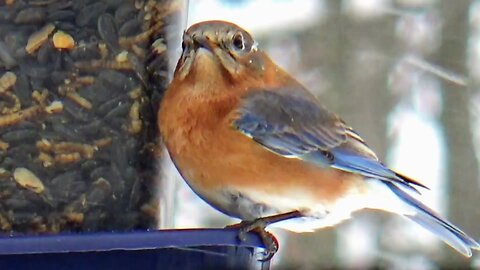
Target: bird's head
214,49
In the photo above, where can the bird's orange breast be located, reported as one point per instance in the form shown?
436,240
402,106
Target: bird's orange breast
212,155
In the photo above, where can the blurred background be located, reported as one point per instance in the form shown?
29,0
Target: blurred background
405,74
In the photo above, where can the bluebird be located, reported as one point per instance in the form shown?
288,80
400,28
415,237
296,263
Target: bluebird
255,144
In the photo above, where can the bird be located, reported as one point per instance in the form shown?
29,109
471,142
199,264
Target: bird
256,145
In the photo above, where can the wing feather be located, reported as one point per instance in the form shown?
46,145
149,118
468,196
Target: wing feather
291,123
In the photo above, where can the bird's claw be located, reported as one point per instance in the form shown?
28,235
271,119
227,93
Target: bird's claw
258,226
271,245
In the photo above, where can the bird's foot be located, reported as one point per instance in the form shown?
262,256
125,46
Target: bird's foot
258,226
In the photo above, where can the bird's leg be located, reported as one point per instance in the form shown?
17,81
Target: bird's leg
258,226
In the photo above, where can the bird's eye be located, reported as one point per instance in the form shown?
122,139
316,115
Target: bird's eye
238,42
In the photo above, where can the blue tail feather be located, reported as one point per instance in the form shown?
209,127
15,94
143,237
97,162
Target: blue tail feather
431,221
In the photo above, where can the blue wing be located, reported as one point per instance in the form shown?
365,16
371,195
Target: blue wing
291,123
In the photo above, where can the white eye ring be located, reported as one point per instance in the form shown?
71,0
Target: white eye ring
238,41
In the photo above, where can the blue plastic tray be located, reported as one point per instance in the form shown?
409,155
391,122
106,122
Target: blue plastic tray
165,249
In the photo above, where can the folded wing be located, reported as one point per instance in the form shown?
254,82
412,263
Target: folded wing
291,123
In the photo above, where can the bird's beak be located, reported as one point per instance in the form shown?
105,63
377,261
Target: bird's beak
192,43
195,42
226,60
203,43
